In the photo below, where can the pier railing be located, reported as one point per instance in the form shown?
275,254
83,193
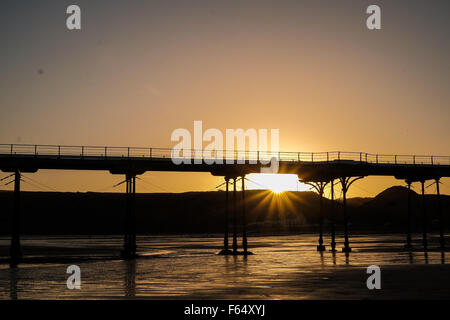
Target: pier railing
104,152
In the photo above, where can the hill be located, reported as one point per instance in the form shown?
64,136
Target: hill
204,212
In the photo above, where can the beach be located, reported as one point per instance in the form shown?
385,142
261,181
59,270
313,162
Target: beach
188,267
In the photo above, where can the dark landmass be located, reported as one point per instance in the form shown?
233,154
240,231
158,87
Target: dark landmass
204,212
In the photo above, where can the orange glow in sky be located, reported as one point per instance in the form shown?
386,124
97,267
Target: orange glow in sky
137,72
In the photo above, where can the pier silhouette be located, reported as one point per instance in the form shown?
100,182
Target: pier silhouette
316,169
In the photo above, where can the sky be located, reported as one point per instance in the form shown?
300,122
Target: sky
138,70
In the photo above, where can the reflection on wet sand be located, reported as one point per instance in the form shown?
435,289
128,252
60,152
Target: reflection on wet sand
13,283
411,257
130,278
282,267
333,253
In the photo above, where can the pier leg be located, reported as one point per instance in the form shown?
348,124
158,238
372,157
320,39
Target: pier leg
408,244
321,247
234,217
424,218
346,242
441,217
346,182
133,218
126,239
225,249
320,188
15,249
244,222
227,212
333,228
129,247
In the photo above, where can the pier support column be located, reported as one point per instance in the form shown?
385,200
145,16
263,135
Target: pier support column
441,216
408,244
344,203
332,212
129,247
321,247
126,239
15,248
244,221
227,213
225,249
133,217
234,217
346,182
320,187
424,217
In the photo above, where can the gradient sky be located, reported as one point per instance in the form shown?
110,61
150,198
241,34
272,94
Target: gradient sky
140,69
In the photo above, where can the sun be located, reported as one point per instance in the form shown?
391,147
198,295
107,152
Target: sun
277,183
278,189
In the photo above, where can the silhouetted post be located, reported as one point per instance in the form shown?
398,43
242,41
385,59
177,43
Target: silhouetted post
408,230
333,231
133,218
424,216
346,242
126,239
244,222
320,187
321,247
344,203
346,182
234,217
129,247
227,209
225,237
441,217
15,250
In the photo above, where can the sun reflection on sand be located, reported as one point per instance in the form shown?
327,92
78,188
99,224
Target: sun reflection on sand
282,267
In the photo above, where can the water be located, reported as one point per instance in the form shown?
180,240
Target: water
177,267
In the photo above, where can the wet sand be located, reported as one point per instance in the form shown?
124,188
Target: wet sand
176,267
